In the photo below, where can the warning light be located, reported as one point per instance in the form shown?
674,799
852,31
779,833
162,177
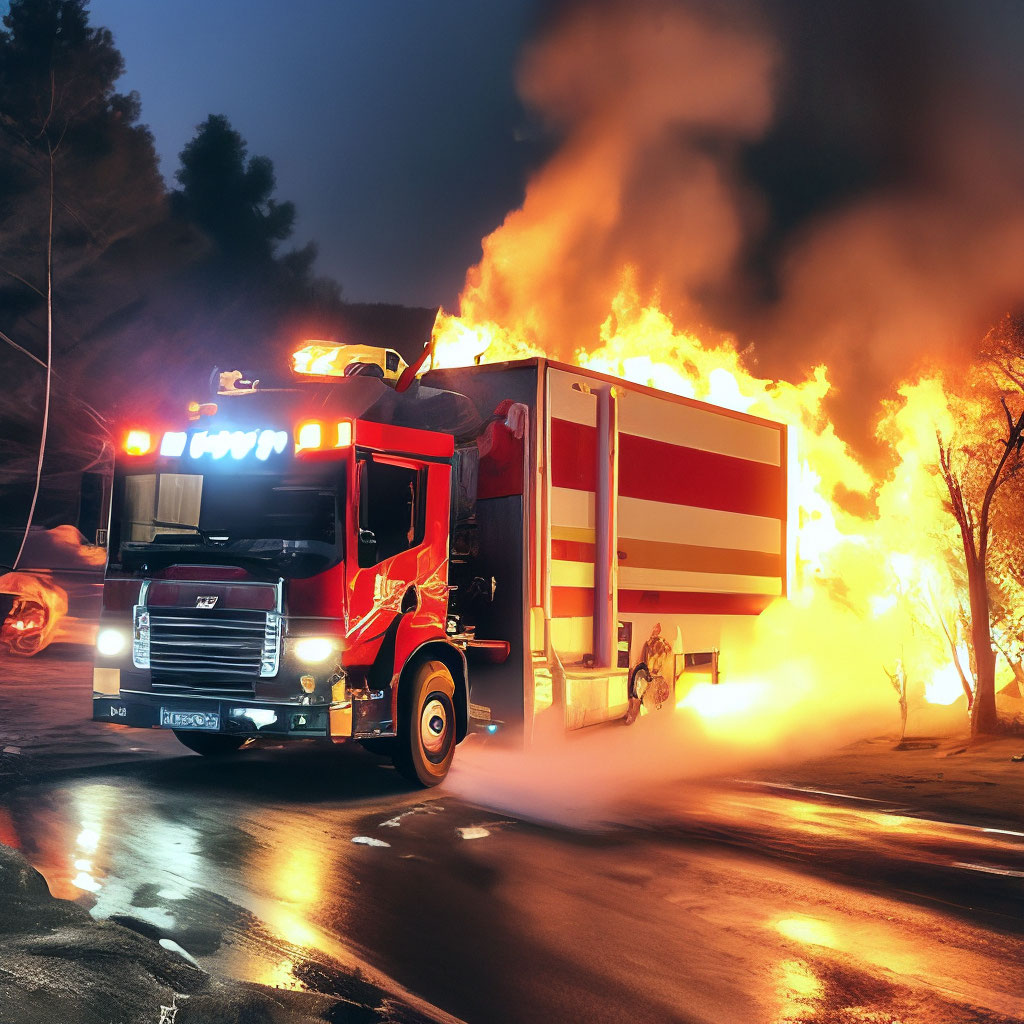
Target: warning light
344,434
309,436
138,442
173,443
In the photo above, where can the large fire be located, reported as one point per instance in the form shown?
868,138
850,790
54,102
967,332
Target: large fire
868,586
642,211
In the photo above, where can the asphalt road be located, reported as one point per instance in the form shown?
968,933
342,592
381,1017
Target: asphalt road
713,903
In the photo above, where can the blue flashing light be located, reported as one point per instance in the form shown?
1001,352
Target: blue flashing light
271,441
237,443
242,444
492,728
173,443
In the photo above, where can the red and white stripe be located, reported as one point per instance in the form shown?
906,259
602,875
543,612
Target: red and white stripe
701,513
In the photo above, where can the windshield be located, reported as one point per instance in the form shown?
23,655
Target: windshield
288,523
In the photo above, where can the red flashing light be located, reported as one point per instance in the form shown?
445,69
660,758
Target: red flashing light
315,436
309,436
138,442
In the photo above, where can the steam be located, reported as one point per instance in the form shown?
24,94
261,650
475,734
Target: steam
766,714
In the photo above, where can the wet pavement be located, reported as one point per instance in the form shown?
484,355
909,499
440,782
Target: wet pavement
319,869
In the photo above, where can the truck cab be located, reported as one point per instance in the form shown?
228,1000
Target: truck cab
279,567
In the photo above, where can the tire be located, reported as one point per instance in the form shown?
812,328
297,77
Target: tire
210,744
425,744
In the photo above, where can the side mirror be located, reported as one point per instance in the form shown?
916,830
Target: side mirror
367,548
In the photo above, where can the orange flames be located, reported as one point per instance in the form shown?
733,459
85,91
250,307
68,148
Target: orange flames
868,580
630,222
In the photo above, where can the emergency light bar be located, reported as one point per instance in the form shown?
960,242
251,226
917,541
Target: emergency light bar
236,443
138,442
309,436
329,359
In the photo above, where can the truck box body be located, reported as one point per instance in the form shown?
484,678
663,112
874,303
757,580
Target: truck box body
700,541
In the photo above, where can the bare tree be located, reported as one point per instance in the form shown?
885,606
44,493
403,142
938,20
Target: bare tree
973,474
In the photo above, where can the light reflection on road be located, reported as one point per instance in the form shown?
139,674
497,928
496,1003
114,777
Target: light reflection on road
260,886
798,991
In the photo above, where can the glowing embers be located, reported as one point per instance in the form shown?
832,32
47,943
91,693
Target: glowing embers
315,436
236,443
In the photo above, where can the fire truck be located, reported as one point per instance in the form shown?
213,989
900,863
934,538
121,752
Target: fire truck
364,552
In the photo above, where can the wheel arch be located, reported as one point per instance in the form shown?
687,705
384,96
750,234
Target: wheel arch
455,661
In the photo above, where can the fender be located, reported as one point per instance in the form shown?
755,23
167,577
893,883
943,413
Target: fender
454,658
404,644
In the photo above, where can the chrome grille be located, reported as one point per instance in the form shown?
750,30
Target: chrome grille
220,649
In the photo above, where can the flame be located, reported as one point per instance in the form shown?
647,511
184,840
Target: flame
868,585
945,687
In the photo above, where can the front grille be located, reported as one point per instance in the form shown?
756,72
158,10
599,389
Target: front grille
219,649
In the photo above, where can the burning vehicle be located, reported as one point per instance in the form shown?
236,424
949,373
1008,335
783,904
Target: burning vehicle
31,609
364,554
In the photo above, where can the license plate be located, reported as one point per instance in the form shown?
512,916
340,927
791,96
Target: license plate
201,721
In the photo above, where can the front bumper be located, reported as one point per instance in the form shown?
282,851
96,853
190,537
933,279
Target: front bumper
237,718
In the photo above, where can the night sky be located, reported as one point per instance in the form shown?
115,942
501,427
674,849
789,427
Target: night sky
393,125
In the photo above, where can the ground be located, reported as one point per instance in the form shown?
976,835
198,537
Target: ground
952,778
811,893
59,964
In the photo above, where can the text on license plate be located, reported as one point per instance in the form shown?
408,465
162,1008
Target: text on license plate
206,721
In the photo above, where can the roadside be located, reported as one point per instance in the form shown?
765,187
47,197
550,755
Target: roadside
57,963
46,724
949,778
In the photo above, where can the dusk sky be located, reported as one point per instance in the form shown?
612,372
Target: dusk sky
392,125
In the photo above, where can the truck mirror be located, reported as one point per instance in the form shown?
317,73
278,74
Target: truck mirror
367,548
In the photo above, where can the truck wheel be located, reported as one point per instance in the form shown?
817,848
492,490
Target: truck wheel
425,745
210,744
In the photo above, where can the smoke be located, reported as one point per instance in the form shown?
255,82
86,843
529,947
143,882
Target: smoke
828,182
765,714
652,102
909,260
771,190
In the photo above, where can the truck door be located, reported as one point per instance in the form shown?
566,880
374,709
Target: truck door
399,551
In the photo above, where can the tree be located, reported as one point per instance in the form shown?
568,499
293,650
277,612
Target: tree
976,466
77,176
230,195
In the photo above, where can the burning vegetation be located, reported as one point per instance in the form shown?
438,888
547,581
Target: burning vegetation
907,559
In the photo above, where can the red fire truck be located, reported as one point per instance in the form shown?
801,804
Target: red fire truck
361,554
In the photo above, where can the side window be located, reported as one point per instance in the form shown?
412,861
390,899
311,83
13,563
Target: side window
392,500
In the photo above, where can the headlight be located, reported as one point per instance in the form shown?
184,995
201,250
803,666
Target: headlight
110,642
313,649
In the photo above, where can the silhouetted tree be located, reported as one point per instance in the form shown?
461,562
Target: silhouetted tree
230,194
77,175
